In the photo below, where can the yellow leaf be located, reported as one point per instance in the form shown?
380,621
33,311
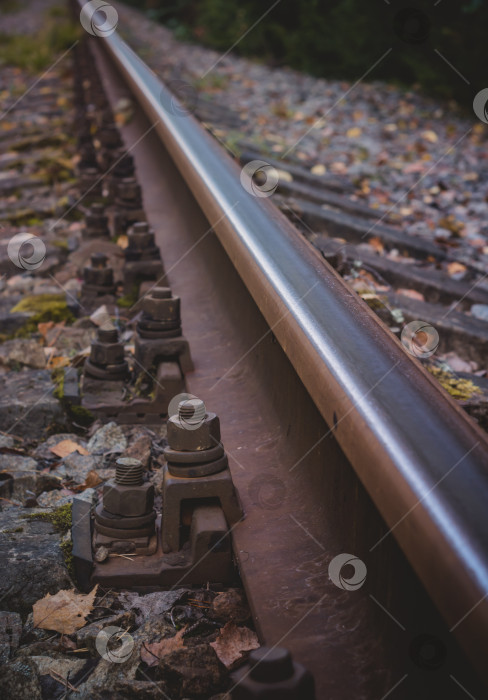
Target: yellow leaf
318,169
64,612
454,268
430,136
66,447
354,132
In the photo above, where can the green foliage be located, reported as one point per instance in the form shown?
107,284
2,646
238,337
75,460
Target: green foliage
60,518
345,38
56,34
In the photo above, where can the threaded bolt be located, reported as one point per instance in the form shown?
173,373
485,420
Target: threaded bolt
161,293
140,227
271,665
128,472
191,411
108,335
97,209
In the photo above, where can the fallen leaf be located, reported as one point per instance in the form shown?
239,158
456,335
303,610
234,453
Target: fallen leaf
66,447
232,641
377,244
59,361
411,293
43,328
318,169
64,612
123,241
152,653
456,269
430,136
354,132
92,480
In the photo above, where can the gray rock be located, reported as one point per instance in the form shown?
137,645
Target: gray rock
86,637
23,351
36,563
11,322
129,689
77,467
19,679
55,499
480,311
192,670
109,438
10,631
45,664
27,405
17,463
26,480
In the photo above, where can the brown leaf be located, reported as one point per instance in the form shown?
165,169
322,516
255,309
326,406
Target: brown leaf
455,268
66,447
92,480
376,243
152,653
233,640
64,612
411,293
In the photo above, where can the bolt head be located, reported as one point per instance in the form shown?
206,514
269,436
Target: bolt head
130,501
183,436
161,309
106,350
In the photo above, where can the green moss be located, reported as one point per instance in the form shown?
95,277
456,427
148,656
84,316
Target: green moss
458,388
128,300
12,529
60,518
67,549
63,244
81,416
43,307
57,375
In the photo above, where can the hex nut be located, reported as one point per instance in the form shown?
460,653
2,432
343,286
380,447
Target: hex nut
181,437
130,501
162,309
106,353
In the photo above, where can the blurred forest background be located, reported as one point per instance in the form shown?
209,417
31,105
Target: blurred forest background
343,38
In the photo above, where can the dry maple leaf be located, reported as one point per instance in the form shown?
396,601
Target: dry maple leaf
64,612
152,653
66,447
233,640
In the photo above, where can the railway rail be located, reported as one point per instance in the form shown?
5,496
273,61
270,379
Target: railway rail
364,542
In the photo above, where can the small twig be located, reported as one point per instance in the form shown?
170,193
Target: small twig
64,681
124,556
